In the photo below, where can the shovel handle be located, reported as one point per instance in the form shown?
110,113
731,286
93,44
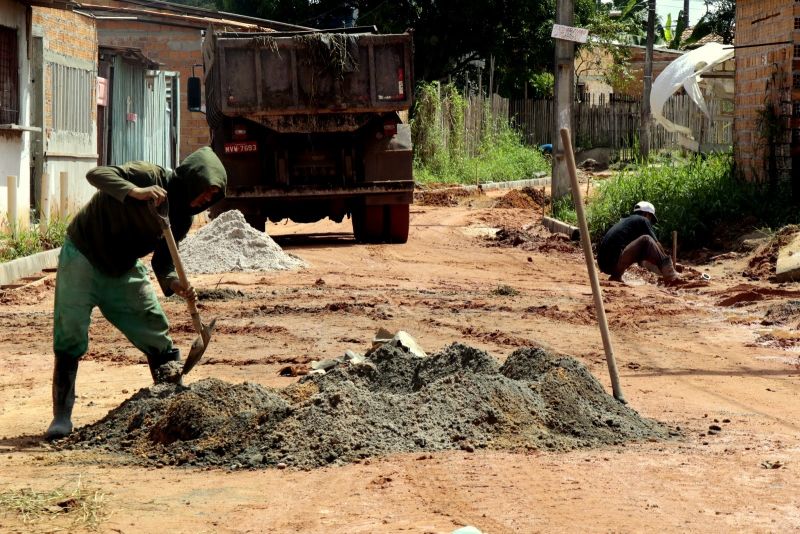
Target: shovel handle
176,260
166,229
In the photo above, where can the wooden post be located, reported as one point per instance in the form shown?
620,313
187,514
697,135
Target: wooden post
64,194
44,215
644,127
11,188
587,253
674,247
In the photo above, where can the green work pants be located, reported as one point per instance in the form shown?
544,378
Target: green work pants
128,302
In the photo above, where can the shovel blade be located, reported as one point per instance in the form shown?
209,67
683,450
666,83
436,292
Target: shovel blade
199,346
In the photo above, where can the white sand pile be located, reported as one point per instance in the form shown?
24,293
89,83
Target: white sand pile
228,244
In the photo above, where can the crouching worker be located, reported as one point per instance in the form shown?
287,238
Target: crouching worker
100,265
632,240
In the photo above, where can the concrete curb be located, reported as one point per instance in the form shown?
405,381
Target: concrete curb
22,267
556,226
532,182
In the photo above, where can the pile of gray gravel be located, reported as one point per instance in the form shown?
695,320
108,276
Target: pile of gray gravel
391,402
228,243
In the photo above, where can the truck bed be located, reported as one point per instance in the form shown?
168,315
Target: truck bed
307,73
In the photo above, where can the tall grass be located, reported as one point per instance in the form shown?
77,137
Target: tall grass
692,198
440,148
30,241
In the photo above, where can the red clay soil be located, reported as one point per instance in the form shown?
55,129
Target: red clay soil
761,265
684,360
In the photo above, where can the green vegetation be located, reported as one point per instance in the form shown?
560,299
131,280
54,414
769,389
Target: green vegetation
30,241
504,291
691,197
564,210
445,150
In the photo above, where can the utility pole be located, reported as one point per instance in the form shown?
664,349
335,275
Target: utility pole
686,12
644,128
564,96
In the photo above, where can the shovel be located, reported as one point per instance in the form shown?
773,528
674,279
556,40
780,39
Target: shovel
200,343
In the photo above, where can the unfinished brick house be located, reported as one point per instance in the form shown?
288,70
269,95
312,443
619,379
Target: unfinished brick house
63,65
20,48
767,120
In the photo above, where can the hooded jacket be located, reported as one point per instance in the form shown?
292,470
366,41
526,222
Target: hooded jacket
113,230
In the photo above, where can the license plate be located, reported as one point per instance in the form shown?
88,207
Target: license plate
244,147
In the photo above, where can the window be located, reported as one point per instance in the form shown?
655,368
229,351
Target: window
796,109
797,23
797,50
72,98
9,77
796,81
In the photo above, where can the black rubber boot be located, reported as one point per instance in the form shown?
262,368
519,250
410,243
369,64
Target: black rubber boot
64,373
155,361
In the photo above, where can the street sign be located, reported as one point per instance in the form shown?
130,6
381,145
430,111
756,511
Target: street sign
570,33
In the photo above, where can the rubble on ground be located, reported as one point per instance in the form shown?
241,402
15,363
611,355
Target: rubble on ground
761,265
389,401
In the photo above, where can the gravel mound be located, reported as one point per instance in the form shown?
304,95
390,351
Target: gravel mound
391,402
228,243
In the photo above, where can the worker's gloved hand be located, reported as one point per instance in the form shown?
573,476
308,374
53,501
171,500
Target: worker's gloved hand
155,193
186,293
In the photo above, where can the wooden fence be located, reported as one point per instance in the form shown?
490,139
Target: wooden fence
598,121
601,121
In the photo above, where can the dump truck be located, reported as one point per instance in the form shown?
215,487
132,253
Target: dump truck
310,125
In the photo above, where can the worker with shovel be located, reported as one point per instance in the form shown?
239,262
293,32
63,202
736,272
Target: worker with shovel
632,240
100,265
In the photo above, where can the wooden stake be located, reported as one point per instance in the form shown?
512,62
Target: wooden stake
11,189
44,216
64,195
674,247
566,140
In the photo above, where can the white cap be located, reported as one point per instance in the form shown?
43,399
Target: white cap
645,207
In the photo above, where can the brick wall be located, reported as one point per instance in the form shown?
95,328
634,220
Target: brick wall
763,82
177,49
69,35
661,59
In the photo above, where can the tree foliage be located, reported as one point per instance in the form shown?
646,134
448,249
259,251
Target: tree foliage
721,18
449,35
452,38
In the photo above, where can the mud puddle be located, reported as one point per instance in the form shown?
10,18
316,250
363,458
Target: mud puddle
392,402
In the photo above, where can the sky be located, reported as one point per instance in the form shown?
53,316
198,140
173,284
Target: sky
697,9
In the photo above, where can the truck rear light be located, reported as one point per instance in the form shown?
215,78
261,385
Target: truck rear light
239,132
401,91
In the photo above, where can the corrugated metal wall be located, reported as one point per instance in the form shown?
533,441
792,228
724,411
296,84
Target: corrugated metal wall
140,117
72,91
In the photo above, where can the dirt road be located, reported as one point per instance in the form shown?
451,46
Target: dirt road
699,359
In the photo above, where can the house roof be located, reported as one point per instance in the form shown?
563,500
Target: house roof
131,54
710,38
56,4
160,11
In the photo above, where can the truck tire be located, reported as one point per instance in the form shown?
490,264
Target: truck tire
397,218
368,224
